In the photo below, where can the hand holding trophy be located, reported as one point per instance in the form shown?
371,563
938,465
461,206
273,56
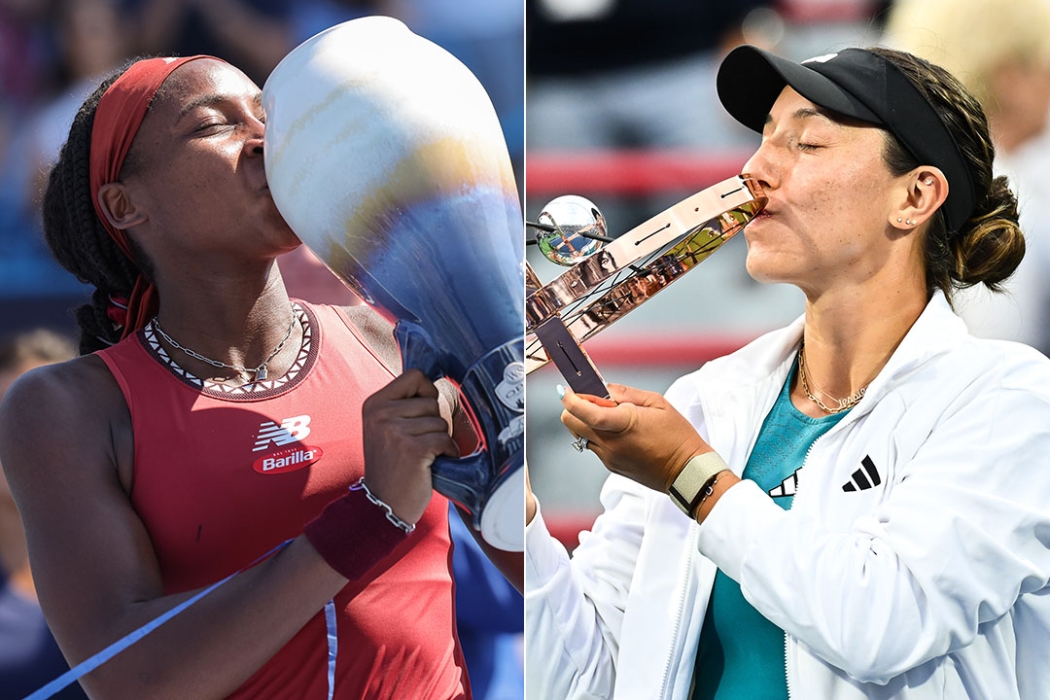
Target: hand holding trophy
385,156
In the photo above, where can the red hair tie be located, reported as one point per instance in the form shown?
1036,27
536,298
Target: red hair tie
117,119
117,311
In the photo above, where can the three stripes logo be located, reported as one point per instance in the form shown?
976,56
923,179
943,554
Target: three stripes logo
866,477
787,487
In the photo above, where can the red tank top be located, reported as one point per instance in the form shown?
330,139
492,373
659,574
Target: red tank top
223,476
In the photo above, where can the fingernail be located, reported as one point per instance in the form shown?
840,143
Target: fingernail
561,391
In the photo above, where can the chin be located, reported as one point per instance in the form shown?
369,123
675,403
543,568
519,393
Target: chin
760,268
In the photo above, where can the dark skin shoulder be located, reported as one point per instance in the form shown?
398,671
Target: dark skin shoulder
66,447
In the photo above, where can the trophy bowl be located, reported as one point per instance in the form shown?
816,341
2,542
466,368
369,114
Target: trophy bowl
385,156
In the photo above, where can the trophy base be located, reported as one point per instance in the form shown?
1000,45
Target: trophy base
503,518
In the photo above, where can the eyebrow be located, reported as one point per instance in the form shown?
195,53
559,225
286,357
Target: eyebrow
213,99
805,113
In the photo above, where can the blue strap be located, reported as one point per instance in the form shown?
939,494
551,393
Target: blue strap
120,645
333,645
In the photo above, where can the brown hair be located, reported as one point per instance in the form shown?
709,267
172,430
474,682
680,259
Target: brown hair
989,246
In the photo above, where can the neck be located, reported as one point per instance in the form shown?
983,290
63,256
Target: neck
845,350
235,321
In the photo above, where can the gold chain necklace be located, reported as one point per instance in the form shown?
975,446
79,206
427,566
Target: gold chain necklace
843,404
260,373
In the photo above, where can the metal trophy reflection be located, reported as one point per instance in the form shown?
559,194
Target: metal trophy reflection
607,278
385,156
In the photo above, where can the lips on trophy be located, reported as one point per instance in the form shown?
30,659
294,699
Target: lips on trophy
385,156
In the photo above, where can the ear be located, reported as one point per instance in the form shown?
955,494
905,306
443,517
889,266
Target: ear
925,190
117,206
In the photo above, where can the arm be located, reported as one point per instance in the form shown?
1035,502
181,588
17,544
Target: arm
96,573
574,606
643,437
956,541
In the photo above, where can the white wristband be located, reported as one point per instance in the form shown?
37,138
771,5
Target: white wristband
687,490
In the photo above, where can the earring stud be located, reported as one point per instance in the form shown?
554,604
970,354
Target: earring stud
899,219
909,222
929,181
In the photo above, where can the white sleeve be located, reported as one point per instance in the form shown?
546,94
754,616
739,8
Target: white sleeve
574,607
963,532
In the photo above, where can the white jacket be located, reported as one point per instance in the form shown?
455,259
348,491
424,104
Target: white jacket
931,584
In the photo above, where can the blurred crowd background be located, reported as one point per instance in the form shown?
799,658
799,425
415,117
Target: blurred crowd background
622,109
52,54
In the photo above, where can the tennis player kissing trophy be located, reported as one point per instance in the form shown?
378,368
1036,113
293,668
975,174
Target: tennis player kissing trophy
385,156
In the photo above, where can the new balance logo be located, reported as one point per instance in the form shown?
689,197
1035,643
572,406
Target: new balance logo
290,430
865,478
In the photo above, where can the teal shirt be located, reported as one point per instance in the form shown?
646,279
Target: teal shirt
741,654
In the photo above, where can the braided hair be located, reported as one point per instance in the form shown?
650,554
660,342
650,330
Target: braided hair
76,236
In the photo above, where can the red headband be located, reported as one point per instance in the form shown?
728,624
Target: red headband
117,119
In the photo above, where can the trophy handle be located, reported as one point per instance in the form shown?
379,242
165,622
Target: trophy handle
488,483
417,350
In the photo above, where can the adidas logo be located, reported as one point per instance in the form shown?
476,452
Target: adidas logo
787,487
865,478
290,430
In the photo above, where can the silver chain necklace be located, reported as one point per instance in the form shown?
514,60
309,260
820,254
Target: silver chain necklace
259,373
843,404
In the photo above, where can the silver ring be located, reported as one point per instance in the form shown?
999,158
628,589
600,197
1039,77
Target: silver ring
580,444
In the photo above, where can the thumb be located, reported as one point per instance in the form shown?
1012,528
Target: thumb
627,394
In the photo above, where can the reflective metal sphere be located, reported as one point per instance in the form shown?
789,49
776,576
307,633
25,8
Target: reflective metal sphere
571,216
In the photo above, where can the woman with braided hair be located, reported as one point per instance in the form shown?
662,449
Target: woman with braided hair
210,419
854,506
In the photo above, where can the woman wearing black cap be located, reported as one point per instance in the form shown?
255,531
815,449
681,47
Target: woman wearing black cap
912,563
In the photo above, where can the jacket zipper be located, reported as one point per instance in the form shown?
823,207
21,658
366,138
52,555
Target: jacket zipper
852,416
693,534
787,639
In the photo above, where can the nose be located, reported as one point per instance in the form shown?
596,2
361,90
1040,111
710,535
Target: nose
760,166
254,146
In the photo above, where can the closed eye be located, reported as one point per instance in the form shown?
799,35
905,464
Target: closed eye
211,125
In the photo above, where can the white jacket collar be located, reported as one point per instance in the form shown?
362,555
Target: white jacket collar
937,330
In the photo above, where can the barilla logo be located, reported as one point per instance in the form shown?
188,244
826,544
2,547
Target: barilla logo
288,460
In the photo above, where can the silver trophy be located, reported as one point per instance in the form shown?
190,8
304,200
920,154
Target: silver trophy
607,278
